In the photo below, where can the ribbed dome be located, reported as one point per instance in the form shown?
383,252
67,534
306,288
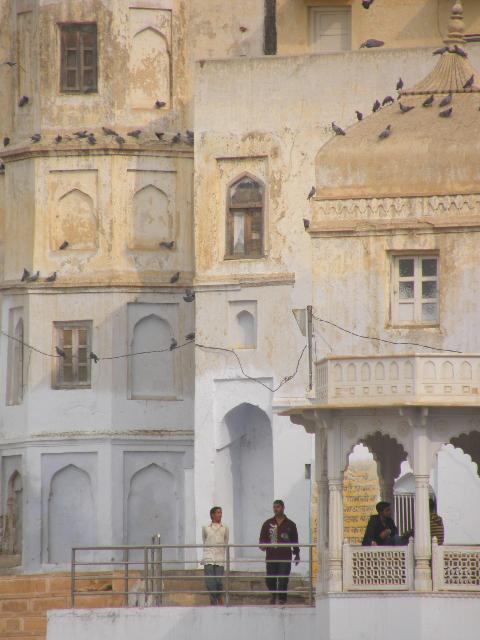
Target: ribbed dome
425,153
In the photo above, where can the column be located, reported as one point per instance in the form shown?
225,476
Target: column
422,544
335,534
321,480
335,507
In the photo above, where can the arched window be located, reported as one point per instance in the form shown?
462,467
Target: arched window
245,219
15,372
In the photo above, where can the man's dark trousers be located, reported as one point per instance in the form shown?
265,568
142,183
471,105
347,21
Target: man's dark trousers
278,586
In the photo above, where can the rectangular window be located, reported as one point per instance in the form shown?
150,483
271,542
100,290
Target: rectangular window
78,68
330,29
73,369
415,290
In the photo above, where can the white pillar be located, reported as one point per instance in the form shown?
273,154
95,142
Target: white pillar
322,510
335,534
422,546
335,506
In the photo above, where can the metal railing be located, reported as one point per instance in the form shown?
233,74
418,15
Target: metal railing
157,575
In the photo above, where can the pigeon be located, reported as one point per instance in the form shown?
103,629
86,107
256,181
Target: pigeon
58,139
376,106
311,193
9,63
337,130
190,134
386,132
189,295
306,223
446,101
399,84
429,101
387,100
64,245
159,134
371,43
6,141
175,277
173,344
366,4
447,113
36,138
81,134
359,115
109,132
459,52
52,277
159,104
60,352
25,275
94,357
469,83
91,138
441,51
34,277
190,336
135,134
119,140
176,138
2,166
23,101
404,108
167,245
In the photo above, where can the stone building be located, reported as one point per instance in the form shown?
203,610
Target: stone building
103,452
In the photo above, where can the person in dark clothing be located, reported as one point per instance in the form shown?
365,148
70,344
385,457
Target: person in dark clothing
283,531
381,529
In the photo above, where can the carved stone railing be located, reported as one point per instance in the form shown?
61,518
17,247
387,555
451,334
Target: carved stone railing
453,379
455,568
378,568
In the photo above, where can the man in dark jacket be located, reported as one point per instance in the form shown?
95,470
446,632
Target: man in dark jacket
381,529
283,531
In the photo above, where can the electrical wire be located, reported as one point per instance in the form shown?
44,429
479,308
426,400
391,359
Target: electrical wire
376,339
98,359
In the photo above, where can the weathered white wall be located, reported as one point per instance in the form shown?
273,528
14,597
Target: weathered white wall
352,617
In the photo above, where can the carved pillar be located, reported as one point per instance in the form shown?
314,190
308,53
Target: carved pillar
335,504
422,547
322,509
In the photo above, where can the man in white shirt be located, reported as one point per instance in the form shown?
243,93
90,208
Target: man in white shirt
213,561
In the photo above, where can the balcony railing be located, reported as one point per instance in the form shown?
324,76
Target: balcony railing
156,575
378,568
455,568
389,380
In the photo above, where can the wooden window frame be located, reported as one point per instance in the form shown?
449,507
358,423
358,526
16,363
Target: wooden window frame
249,209
80,68
58,381
418,278
316,9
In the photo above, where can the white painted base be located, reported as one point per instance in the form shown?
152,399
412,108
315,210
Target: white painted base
342,617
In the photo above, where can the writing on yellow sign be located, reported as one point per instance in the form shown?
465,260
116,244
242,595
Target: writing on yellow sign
360,494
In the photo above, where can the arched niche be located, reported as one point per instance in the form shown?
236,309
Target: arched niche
71,513
244,472
152,375
13,524
150,69
74,221
150,218
15,382
153,507
469,443
246,329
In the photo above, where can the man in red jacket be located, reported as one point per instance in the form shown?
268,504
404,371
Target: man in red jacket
283,531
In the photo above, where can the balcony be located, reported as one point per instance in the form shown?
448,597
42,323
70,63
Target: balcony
416,379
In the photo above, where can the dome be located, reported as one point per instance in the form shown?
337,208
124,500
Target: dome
425,154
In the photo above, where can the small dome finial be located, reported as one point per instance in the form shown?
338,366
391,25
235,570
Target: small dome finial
456,26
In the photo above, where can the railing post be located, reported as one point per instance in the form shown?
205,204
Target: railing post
310,574
125,578
159,587
145,573
72,594
227,575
